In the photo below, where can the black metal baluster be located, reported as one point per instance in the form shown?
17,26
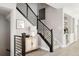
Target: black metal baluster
51,47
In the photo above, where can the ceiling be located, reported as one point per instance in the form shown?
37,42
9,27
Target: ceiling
64,5
72,7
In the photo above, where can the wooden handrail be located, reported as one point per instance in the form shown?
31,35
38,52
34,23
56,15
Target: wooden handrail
17,36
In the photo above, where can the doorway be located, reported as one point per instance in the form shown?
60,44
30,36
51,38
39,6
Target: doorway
69,29
4,32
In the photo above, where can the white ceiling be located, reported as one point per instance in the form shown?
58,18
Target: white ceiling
72,7
64,5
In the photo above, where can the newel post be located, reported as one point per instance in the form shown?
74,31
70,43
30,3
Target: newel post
23,43
37,22
51,47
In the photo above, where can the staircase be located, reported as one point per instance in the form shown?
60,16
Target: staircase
45,33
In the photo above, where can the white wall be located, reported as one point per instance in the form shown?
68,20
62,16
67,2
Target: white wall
78,30
54,19
4,35
8,32
12,27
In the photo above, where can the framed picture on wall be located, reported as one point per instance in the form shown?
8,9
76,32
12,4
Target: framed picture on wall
20,24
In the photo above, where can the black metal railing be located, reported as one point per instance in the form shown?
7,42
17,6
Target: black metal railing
19,44
46,33
27,12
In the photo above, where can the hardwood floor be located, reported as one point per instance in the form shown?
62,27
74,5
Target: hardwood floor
72,50
38,52
4,53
